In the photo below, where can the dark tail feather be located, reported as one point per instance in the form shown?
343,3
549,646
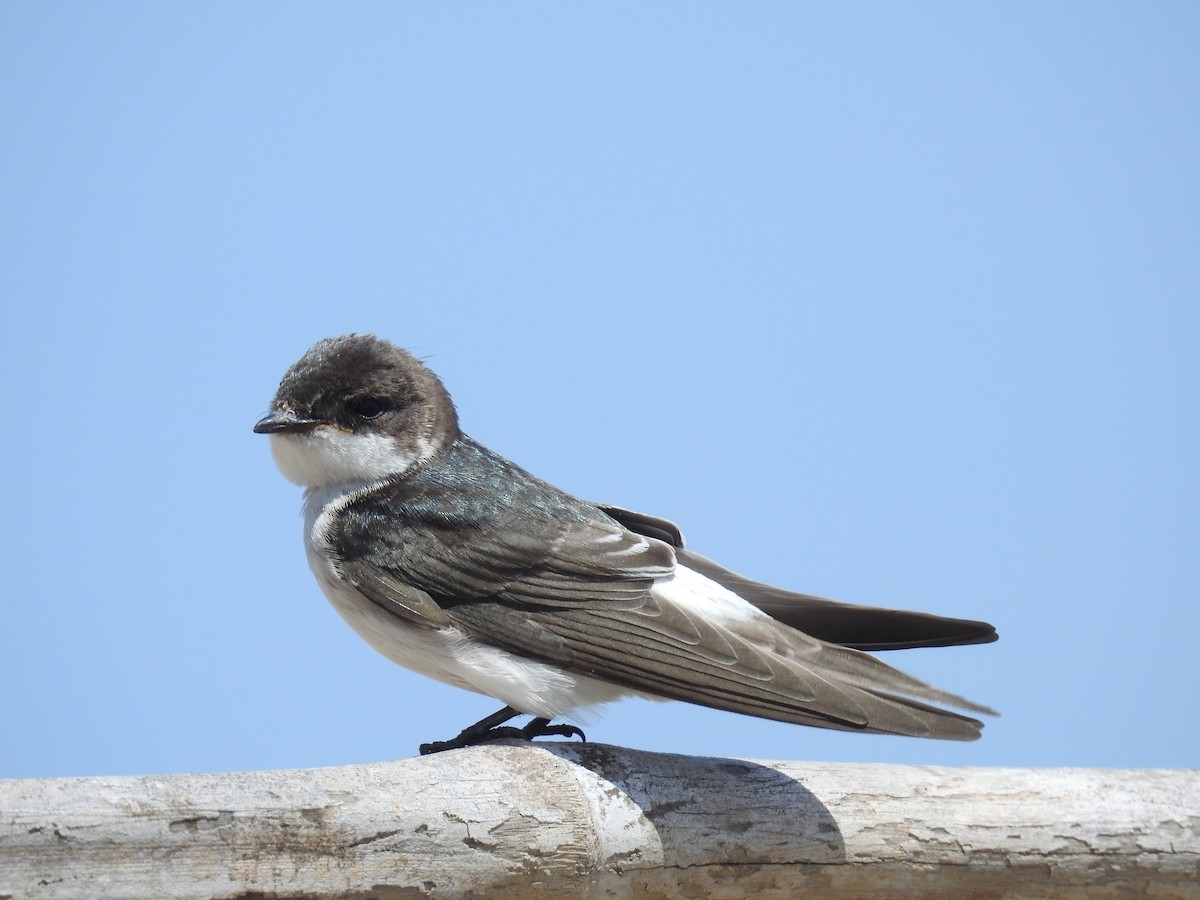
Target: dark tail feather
860,627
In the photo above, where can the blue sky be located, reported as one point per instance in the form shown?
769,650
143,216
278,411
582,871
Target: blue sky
894,303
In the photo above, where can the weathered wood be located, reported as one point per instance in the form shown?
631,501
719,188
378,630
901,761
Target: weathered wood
572,820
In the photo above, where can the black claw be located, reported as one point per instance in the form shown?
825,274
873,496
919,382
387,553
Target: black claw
492,729
542,728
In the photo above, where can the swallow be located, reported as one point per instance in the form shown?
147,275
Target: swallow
458,564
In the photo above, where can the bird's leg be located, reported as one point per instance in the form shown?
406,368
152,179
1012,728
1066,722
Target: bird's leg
484,730
490,729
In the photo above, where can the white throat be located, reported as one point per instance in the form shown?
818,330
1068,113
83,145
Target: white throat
326,456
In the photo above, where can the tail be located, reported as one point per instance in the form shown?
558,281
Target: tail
846,624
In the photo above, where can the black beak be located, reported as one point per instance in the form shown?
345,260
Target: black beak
281,421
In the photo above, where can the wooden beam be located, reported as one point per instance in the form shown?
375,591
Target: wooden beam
590,820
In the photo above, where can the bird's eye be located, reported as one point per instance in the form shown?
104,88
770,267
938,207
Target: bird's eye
367,407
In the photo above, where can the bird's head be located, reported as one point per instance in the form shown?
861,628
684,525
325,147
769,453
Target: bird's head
357,408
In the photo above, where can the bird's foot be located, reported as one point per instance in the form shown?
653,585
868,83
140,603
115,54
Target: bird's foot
493,729
542,728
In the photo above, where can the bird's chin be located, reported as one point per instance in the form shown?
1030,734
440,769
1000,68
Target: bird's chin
297,459
327,456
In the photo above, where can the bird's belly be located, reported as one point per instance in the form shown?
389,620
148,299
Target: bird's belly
453,657
420,649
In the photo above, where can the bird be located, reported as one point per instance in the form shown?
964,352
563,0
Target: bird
456,563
